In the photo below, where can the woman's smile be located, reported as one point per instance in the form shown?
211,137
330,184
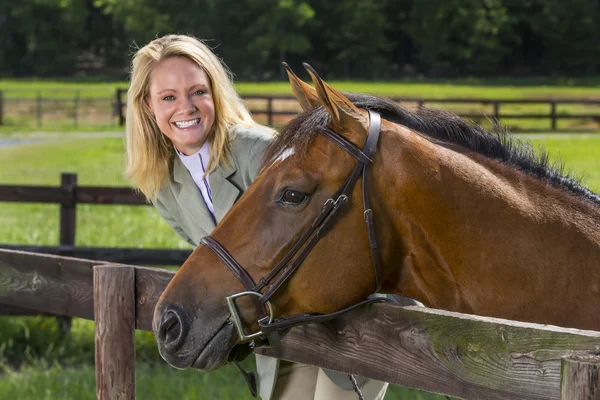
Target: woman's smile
187,124
182,103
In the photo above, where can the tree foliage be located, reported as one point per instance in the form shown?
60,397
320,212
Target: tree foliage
369,39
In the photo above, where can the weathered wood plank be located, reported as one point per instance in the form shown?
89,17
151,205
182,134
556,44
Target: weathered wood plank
33,194
82,195
6,309
437,351
110,195
114,332
110,254
455,354
580,378
64,285
52,284
149,285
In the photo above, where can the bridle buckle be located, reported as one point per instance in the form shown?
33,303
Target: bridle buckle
237,321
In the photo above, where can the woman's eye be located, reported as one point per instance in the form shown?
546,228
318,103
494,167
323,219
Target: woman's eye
293,197
169,98
199,92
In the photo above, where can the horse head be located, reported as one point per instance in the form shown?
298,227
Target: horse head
456,217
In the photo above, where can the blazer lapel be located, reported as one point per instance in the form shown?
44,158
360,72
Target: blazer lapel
190,200
224,193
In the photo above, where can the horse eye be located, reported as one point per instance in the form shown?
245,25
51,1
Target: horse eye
293,197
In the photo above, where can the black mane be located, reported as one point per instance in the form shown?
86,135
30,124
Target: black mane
440,125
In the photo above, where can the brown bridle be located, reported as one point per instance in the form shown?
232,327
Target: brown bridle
272,329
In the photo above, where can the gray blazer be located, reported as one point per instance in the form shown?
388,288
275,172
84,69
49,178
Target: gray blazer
181,204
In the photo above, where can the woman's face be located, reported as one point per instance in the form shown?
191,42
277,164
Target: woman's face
182,102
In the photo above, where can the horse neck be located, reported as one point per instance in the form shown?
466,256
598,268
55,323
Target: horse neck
470,230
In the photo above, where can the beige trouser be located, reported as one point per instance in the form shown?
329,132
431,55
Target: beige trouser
305,382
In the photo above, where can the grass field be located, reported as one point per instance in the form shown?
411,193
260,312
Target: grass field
53,367
472,87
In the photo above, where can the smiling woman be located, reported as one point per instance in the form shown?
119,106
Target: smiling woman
193,149
181,99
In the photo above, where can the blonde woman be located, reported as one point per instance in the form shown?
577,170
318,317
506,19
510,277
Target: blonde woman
192,150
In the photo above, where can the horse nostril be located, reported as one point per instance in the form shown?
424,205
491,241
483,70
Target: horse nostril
173,328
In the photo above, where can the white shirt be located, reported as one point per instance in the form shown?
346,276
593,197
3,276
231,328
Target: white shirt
196,164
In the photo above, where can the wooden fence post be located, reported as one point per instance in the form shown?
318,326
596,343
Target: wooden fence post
68,183
68,220
39,109
119,106
553,114
1,108
270,111
76,108
114,315
580,377
496,113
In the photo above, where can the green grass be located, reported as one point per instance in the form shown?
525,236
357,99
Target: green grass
28,88
26,129
97,161
480,88
437,90
56,367
55,382
578,153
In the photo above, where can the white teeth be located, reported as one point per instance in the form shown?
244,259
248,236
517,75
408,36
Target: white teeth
187,124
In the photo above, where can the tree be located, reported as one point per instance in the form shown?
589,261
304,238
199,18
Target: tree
41,36
460,36
553,36
358,38
277,31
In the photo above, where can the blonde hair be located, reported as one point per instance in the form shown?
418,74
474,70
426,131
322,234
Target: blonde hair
149,151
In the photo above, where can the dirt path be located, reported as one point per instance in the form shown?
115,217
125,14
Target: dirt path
36,137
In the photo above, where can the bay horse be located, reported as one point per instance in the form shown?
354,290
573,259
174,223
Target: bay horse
458,218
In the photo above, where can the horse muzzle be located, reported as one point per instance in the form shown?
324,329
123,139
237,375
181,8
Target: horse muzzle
199,343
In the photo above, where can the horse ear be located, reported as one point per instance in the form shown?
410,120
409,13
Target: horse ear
344,114
305,94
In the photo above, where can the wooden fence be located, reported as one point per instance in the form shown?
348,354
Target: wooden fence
69,195
71,108
57,107
278,114
455,354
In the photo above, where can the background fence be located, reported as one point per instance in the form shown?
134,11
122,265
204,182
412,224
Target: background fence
70,108
455,354
57,108
68,195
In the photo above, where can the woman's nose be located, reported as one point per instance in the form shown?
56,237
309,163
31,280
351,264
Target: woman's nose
186,106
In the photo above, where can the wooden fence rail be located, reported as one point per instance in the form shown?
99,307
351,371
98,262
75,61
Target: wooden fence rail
59,108
69,195
552,115
455,354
